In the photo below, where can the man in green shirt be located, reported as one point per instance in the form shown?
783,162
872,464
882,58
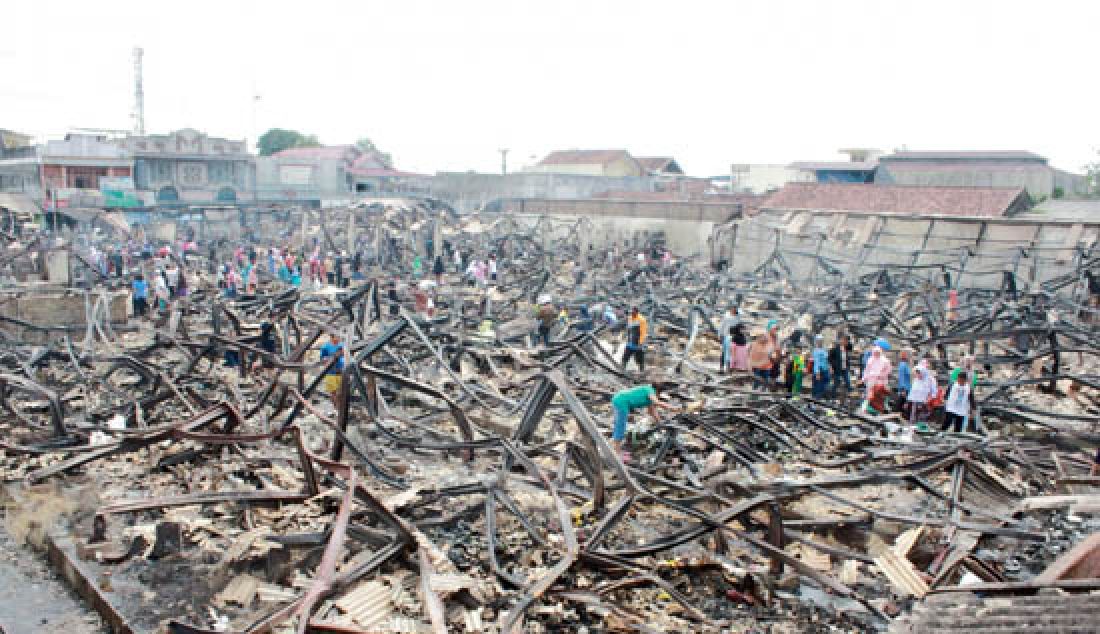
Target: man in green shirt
626,401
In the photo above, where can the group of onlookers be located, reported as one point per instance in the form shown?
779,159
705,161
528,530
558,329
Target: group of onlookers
782,364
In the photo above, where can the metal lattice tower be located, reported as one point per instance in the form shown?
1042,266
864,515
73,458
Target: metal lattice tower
139,94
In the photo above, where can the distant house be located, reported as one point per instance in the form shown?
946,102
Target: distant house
332,173
307,173
980,169
10,139
836,171
910,200
660,166
372,173
66,173
859,168
590,163
763,178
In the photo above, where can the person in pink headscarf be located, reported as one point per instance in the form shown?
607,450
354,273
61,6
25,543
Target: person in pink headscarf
877,370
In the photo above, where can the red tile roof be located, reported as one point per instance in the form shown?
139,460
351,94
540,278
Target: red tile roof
584,157
899,199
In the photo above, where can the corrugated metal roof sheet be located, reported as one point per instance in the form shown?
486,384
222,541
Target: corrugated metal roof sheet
897,199
1066,210
901,573
965,612
368,604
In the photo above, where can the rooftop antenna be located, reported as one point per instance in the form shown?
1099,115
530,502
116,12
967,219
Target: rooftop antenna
139,94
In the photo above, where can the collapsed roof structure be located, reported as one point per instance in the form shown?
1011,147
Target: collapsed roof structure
461,480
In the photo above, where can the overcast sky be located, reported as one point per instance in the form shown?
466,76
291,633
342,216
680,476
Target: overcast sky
442,85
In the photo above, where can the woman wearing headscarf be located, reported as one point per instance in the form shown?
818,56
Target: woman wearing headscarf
877,371
923,389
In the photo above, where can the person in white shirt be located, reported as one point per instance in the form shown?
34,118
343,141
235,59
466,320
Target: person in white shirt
173,280
958,403
923,388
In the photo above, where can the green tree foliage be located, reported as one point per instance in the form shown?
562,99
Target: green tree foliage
1092,176
366,145
278,139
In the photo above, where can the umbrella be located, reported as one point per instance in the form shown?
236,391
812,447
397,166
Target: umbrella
882,343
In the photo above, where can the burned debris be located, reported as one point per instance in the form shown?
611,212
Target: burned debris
391,450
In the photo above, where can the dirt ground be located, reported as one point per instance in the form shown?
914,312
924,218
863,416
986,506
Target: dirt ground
33,599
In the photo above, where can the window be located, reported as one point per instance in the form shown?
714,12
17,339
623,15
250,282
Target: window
80,182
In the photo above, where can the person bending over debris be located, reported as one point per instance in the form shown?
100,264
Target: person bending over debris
636,331
333,374
626,401
958,404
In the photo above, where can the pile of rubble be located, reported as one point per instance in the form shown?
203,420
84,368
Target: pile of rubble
461,480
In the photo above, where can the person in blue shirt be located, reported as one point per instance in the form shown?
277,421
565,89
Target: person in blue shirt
333,375
624,402
141,296
904,378
821,368
585,323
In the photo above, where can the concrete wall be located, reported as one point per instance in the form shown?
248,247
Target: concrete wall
195,179
55,309
21,175
976,251
325,178
686,226
469,191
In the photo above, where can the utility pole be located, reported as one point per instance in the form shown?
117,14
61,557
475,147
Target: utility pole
503,160
139,94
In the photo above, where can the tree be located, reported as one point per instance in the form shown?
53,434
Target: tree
368,146
277,139
1092,178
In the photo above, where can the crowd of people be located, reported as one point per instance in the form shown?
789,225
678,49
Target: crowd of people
783,365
